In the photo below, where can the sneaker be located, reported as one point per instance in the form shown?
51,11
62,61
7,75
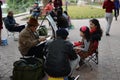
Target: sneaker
116,18
81,62
71,78
107,34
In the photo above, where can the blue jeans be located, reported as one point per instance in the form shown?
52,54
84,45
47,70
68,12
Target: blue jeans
35,14
66,78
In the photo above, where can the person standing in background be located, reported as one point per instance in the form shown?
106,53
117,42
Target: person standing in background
0,20
108,5
48,8
62,21
116,10
57,3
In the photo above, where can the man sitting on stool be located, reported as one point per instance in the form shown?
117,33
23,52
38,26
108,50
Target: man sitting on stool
28,39
11,24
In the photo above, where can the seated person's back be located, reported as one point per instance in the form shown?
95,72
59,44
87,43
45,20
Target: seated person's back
59,54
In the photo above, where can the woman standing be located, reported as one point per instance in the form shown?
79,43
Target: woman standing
108,5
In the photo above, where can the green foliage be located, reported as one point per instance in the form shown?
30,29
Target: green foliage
19,5
82,12
73,1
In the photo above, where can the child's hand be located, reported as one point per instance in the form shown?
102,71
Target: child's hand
77,50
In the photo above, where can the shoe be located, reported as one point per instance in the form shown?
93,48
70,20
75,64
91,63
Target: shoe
107,34
71,78
11,77
81,62
116,18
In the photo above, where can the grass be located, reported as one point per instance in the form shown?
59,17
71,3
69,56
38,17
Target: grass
84,12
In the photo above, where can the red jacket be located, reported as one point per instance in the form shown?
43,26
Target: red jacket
108,5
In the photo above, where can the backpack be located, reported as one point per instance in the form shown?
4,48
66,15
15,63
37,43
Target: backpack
42,31
28,69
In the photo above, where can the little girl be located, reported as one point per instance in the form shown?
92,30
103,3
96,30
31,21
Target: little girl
82,47
95,30
84,44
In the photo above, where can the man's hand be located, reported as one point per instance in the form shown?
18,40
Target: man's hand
16,25
42,39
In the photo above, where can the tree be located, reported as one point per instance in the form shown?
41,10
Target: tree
45,2
19,5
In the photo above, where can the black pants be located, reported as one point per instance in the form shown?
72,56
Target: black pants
17,29
116,12
37,51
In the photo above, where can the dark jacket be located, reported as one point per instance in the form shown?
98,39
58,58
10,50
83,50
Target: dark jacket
57,3
95,36
59,53
9,22
62,22
117,4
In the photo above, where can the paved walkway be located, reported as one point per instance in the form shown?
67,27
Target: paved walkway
109,54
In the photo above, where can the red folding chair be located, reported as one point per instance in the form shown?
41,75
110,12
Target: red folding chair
90,55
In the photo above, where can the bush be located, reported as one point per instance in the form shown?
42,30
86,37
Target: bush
78,12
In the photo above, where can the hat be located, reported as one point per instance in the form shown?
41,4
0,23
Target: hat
33,22
62,33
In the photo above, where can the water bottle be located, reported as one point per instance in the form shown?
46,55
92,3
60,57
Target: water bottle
4,37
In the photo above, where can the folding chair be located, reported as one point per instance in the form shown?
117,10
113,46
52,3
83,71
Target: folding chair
90,55
9,33
12,34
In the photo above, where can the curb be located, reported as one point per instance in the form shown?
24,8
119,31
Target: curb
21,14
18,15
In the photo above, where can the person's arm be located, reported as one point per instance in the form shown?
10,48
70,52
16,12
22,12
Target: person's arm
104,5
113,6
28,42
86,46
71,52
83,48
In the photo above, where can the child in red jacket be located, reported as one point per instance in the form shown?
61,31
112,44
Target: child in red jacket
95,30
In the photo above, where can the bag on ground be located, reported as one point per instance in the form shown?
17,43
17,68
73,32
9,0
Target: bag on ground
28,69
42,31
